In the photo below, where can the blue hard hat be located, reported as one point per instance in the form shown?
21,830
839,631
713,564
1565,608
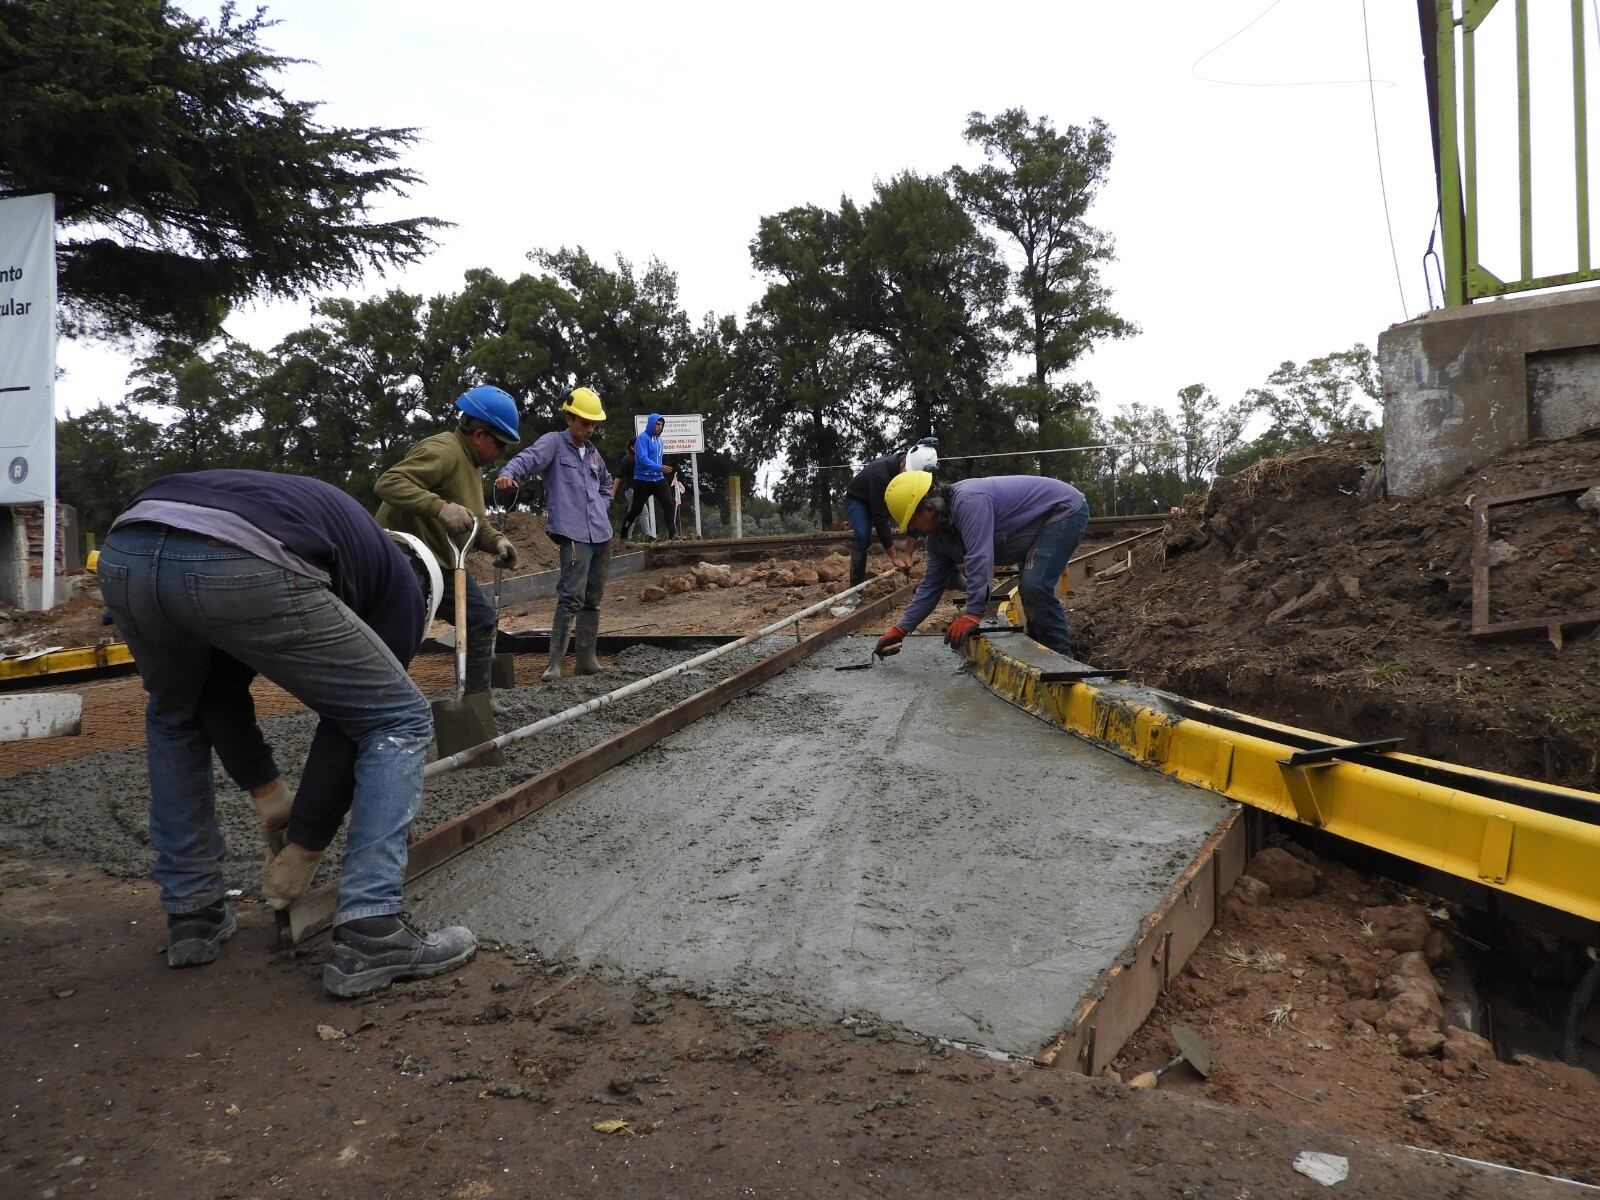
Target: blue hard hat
492,405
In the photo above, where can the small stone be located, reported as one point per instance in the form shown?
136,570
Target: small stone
652,594
1502,551
1251,890
1420,1042
1590,500
1465,1050
1350,586
1281,871
1437,948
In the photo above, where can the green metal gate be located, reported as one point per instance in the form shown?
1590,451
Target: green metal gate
1453,89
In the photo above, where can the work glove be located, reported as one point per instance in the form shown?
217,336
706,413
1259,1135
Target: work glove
889,643
505,554
961,629
457,519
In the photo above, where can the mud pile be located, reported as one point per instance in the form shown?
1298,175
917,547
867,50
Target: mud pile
1298,593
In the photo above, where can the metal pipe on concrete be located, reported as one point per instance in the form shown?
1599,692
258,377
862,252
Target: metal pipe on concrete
472,753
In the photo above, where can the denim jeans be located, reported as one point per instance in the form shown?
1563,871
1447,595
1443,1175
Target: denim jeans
585,566
482,629
1041,572
177,598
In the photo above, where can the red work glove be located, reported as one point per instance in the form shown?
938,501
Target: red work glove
961,629
889,643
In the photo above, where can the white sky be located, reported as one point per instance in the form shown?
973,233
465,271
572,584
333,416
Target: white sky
1248,220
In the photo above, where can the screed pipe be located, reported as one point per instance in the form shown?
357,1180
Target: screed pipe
473,753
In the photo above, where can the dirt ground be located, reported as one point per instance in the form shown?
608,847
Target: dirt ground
517,1078
1291,597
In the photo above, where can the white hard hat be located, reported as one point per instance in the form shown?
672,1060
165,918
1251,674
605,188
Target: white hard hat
921,458
434,592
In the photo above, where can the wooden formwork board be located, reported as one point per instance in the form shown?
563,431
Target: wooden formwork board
1127,991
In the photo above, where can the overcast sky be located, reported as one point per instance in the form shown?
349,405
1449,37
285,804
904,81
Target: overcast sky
1248,219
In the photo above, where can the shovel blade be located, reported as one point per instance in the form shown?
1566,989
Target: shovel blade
462,724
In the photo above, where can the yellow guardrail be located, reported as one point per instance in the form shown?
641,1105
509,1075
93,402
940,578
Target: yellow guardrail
1546,851
61,662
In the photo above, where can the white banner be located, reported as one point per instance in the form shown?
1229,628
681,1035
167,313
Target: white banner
27,349
679,435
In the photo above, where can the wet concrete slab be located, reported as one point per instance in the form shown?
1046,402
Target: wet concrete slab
895,844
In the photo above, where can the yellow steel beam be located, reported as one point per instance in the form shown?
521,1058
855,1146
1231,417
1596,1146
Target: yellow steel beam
60,662
1548,859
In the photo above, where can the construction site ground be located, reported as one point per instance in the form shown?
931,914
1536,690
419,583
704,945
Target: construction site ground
492,1082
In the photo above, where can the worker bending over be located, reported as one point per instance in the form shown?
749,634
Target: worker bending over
864,505
578,490
290,578
436,492
978,523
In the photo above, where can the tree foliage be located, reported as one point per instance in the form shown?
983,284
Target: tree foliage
185,180
1035,187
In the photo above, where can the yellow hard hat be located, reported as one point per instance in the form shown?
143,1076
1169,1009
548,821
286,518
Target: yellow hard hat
585,403
904,493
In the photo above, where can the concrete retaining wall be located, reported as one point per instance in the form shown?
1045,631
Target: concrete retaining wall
1462,385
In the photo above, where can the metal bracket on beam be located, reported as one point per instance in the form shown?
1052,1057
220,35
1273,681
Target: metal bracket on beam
1322,754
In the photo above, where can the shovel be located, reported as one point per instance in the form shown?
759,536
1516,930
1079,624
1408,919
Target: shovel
503,667
1191,1049
463,721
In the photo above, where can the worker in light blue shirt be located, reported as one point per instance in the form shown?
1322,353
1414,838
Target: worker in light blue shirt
577,491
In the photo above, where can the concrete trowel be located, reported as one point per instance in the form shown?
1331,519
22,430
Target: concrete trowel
463,721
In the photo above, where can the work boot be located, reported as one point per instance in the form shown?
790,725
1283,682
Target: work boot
858,566
372,952
623,535
588,634
560,634
195,938
273,808
287,875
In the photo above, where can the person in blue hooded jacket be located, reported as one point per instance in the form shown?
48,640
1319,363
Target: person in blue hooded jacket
651,477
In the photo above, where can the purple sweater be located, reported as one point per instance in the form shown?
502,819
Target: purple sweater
991,521
577,486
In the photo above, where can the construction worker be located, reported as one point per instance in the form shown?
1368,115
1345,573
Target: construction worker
651,477
327,786
976,524
290,578
435,493
863,505
577,489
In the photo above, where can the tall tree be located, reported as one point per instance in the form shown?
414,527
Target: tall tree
806,360
1036,186
926,285
185,181
1323,398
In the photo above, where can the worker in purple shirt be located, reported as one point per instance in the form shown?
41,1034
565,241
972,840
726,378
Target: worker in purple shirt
577,490
976,524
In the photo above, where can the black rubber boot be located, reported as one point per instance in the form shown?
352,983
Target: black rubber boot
858,566
371,953
560,635
588,635
195,938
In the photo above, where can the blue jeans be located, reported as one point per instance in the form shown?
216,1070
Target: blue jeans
482,629
177,598
1041,572
860,517
585,566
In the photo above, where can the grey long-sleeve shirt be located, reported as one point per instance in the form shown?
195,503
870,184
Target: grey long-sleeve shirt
993,521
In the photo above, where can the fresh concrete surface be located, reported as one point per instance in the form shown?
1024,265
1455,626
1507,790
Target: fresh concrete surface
894,844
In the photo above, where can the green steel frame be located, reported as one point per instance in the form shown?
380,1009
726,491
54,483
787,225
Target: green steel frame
1465,277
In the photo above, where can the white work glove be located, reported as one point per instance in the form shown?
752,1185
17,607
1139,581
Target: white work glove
505,554
457,519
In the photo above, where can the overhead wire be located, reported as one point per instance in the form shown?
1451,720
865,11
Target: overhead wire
1377,145
1194,67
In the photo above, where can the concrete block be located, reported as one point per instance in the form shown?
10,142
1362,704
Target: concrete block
1462,385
